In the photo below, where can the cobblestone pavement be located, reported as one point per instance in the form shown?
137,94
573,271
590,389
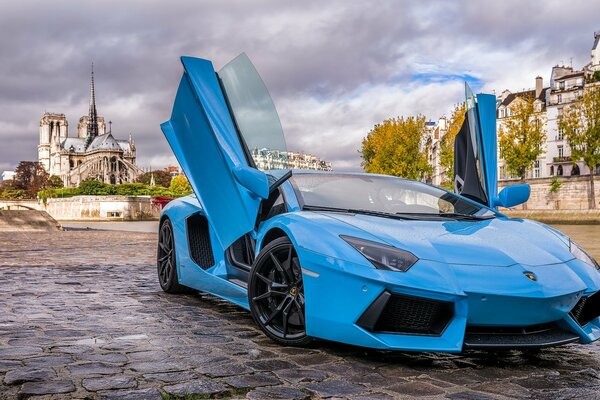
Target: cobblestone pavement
82,316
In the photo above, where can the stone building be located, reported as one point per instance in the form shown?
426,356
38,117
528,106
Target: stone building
93,153
266,159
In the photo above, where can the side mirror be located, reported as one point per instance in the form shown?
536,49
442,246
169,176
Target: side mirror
513,195
252,179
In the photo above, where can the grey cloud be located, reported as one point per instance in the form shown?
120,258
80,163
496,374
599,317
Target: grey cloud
317,54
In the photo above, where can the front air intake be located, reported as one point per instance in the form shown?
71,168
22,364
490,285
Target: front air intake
199,241
586,309
395,313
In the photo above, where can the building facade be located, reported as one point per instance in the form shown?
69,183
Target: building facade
266,159
93,153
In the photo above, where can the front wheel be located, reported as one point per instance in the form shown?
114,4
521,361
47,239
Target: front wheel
166,262
276,294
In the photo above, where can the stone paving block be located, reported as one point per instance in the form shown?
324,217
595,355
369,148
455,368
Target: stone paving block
197,387
170,377
93,368
46,388
334,387
17,376
19,352
252,381
294,375
109,383
277,392
140,394
417,389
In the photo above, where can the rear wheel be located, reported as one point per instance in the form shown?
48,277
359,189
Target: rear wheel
166,262
276,294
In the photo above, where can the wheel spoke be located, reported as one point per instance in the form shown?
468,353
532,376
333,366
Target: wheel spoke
279,267
264,279
286,317
300,311
277,310
163,247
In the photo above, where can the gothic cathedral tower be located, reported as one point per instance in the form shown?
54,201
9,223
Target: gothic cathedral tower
53,130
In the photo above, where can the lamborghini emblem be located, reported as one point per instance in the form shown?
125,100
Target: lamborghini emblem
530,275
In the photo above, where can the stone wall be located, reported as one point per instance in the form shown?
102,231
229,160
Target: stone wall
93,207
572,195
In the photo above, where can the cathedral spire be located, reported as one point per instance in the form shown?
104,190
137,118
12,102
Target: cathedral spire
92,127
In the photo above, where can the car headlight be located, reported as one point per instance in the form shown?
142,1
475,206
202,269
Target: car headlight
383,256
582,255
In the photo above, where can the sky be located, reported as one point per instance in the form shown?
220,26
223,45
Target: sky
334,68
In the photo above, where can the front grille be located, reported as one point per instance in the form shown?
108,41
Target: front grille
586,309
515,337
394,313
199,241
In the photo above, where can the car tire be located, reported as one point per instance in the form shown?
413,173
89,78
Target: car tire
166,261
276,294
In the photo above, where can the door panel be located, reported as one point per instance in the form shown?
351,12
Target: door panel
203,137
475,154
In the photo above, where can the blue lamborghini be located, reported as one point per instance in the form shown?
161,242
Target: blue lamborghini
364,259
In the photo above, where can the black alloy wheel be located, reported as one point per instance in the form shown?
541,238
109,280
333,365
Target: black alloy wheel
276,294
166,262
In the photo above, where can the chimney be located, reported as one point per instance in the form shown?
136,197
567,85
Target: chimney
539,84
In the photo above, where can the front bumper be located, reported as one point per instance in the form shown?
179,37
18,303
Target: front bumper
482,307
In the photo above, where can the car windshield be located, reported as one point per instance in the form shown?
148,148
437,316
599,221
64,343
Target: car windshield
382,194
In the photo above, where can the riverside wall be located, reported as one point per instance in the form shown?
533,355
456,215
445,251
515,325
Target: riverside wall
91,208
572,195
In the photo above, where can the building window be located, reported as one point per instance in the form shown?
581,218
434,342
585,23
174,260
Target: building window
559,98
536,169
561,152
552,170
559,170
502,113
575,171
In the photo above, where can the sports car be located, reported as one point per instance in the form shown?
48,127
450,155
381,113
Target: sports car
364,259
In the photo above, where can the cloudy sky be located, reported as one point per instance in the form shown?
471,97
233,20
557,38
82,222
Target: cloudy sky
334,68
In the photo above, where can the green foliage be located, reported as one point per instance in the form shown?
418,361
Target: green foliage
446,153
522,137
161,178
596,76
555,185
394,148
180,186
14,194
92,187
56,182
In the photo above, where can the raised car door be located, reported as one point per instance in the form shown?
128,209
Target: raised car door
475,150
218,121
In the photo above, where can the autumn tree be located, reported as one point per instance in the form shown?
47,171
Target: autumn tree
180,186
522,136
31,176
394,148
161,177
580,125
446,152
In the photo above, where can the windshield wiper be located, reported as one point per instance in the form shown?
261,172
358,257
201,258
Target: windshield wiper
356,211
460,216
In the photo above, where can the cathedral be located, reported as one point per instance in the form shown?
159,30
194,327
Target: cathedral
94,153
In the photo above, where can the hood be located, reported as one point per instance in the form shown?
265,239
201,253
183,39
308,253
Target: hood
492,242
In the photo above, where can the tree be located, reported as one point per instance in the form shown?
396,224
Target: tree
161,177
180,186
580,125
56,182
92,187
31,177
394,148
446,154
522,137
